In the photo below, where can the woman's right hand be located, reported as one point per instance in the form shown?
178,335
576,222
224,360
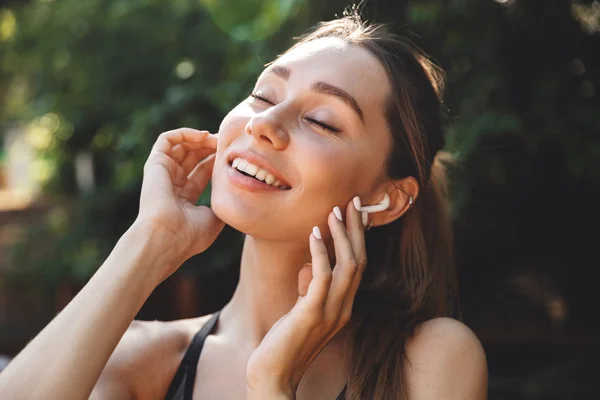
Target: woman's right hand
176,173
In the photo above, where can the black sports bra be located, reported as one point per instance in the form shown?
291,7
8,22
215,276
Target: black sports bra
182,386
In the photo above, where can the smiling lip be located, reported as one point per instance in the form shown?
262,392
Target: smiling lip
259,162
249,183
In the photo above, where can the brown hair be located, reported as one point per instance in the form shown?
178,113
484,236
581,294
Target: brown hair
410,273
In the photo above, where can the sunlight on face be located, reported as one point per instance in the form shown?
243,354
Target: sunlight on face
315,121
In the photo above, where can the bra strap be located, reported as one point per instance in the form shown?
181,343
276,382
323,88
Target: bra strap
192,355
182,386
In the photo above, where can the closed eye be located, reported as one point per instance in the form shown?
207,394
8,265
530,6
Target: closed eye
312,121
322,125
261,98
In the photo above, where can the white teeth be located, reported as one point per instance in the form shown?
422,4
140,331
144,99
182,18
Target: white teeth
251,169
242,165
262,174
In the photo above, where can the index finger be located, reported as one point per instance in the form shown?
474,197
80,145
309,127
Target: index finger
356,233
346,266
321,270
187,137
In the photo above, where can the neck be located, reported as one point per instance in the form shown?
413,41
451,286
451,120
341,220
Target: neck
267,289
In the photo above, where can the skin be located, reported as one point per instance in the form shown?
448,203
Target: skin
282,334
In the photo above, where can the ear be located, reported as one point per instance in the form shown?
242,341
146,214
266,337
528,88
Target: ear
400,192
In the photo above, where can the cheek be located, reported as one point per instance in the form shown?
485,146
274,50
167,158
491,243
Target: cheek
332,170
231,128
233,125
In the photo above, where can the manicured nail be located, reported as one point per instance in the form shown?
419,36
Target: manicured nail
365,218
317,232
338,213
356,201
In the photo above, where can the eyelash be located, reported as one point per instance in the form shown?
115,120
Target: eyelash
320,124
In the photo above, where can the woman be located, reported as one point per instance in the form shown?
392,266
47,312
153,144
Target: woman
339,135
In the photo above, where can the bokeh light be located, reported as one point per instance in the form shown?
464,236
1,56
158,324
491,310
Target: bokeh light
185,69
8,24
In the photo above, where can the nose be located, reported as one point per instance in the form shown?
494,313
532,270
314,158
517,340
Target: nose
267,129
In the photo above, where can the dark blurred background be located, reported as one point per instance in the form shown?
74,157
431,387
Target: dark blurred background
86,86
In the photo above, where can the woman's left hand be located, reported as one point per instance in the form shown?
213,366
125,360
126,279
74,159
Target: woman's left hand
323,307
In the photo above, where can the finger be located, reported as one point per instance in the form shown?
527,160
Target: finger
321,270
159,162
345,266
356,233
304,278
188,156
206,223
167,140
210,141
178,153
198,179
193,158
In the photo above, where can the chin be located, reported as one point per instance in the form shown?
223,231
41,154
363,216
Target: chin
231,214
259,222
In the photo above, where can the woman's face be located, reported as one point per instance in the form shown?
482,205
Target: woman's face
315,122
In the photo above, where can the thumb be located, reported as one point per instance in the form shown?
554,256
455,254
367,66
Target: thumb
304,278
206,225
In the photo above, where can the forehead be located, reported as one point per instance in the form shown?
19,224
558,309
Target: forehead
347,66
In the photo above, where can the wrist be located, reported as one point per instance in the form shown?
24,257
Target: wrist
147,248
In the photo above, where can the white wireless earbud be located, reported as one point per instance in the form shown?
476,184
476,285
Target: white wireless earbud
381,206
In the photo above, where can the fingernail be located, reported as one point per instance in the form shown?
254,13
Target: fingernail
338,213
356,201
317,232
365,218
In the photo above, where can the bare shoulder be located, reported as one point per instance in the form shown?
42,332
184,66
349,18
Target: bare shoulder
156,336
143,341
445,360
148,354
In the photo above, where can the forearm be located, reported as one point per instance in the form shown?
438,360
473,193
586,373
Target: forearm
66,358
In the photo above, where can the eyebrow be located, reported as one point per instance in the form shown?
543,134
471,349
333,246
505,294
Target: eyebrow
323,88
